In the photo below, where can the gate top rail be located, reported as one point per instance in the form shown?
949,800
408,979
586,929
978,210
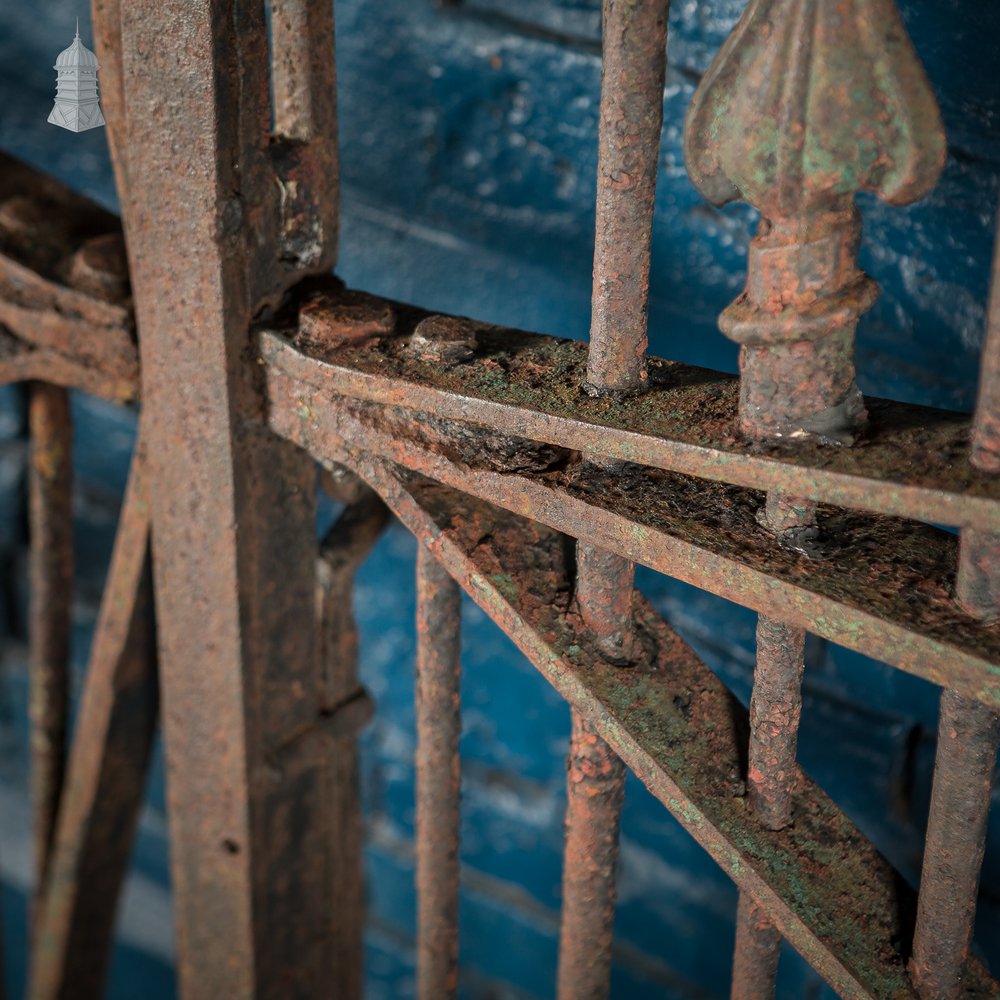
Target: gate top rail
909,461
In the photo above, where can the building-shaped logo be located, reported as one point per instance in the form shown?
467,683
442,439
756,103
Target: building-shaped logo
76,106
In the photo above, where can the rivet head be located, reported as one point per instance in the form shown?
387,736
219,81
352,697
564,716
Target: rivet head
100,267
345,318
443,338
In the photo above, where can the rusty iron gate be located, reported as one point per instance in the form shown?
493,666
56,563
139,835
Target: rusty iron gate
535,473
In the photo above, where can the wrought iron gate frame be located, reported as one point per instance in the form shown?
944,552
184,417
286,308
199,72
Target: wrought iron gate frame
497,449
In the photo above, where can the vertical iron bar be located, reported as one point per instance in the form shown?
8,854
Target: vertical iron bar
978,584
604,585
633,71
304,149
106,772
342,551
234,534
106,16
303,74
956,839
51,514
755,957
438,778
968,732
775,709
595,790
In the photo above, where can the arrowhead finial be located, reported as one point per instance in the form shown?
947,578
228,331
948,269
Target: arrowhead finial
811,99
807,103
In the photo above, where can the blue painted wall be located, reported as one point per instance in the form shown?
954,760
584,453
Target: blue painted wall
469,157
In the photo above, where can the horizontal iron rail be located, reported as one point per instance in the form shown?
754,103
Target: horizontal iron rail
682,733
20,362
883,588
912,460
65,308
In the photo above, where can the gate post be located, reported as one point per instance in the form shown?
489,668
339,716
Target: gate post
233,507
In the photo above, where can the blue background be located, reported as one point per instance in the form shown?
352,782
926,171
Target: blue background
469,156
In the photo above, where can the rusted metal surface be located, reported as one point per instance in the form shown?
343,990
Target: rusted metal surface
633,65
978,585
63,281
712,480
304,148
447,339
107,28
914,462
806,104
50,481
953,852
235,581
883,586
106,772
100,268
604,590
345,317
20,362
342,551
439,726
595,789
986,424
968,734
775,708
755,956
776,701
681,732
344,548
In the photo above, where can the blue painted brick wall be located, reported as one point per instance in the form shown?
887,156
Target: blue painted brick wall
469,157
